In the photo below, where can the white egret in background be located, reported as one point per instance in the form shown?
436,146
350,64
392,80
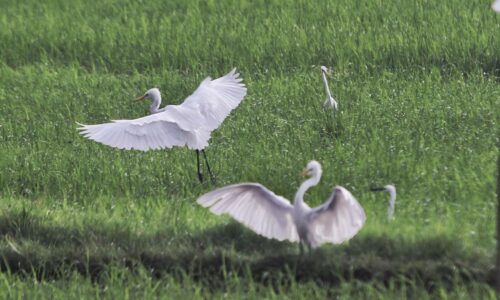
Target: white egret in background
496,6
188,124
330,101
391,189
272,216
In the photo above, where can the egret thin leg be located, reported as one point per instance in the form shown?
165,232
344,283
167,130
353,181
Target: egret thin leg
212,177
200,176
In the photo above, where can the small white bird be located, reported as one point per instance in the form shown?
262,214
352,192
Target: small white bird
330,101
496,6
188,124
272,216
391,189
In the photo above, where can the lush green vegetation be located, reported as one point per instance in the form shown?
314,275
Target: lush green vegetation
419,97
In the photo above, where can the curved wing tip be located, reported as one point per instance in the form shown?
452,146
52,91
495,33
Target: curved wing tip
204,200
338,189
82,126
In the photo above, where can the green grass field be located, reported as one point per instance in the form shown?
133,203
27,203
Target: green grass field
418,89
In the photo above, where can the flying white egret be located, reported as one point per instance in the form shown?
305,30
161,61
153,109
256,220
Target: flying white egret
496,6
391,189
272,216
330,101
188,124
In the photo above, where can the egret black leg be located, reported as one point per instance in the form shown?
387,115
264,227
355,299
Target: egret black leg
301,247
200,176
208,167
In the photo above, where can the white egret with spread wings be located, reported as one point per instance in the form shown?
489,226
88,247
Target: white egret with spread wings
188,124
272,216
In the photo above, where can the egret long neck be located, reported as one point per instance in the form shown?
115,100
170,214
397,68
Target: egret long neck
155,104
299,196
392,202
326,84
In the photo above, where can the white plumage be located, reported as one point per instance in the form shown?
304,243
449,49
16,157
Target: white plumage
330,101
255,206
188,124
272,216
496,6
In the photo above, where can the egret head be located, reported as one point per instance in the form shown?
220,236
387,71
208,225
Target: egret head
313,169
391,189
326,71
153,93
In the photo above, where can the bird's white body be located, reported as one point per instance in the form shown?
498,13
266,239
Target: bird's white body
188,124
272,216
496,6
330,101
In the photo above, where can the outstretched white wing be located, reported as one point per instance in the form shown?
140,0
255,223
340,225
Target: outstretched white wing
337,220
187,124
256,207
215,99
496,6
176,126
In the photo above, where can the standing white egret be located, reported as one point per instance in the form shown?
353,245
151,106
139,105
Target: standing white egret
188,124
496,6
391,189
330,101
272,216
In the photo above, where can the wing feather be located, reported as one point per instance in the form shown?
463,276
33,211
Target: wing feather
176,126
496,6
337,220
215,99
255,206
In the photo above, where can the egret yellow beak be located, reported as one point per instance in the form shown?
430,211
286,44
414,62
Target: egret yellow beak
140,98
303,173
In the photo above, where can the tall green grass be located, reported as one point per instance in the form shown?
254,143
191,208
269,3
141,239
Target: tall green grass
276,36
120,284
419,99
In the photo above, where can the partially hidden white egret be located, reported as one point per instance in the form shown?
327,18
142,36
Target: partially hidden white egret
272,216
496,6
188,124
391,189
330,101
